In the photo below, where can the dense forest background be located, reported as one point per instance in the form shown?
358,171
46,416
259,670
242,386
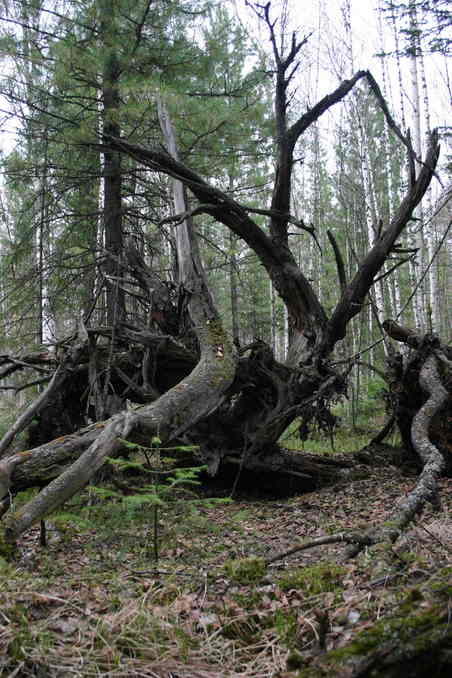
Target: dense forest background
70,68
225,269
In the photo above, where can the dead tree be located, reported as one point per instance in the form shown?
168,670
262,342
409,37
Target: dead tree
234,406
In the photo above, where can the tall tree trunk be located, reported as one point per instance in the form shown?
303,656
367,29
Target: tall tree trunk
430,231
421,301
112,184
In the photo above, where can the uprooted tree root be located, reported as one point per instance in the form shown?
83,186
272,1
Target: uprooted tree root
238,407
433,361
85,450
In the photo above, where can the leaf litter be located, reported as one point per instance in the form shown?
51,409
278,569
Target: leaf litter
95,603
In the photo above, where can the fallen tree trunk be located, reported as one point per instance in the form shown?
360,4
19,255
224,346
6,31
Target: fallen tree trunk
239,414
176,409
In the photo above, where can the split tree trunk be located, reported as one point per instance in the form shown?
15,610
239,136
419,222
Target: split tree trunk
241,412
172,414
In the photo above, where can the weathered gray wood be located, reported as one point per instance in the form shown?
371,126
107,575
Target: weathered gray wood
426,488
7,467
173,413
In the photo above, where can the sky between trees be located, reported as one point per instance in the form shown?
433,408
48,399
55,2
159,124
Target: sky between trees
346,36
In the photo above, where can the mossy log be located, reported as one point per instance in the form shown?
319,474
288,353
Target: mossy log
417,645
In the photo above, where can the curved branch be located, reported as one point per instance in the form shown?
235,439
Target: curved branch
301,125
434,463
321,541
339,261
216,203
281,266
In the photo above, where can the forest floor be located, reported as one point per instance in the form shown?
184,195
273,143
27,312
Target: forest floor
94,602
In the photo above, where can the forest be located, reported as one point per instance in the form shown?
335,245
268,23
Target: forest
225,363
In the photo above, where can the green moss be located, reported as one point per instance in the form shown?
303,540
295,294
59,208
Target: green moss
442,589
287,627
309,673
445,573
17,648
313,580
294,661
418,630
441,586
245,571
249,600
406,556
7,550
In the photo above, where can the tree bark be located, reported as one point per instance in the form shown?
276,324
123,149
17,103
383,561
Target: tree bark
403,645
112,211
434,458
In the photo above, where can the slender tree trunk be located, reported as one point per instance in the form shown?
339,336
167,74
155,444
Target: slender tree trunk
273,323
41,234
433,309
421,300
233,287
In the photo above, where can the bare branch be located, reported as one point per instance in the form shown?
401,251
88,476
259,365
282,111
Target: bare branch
406,140
339,260
208,207
322,541
139,27
311,116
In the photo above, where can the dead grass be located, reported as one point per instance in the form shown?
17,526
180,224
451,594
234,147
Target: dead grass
94,603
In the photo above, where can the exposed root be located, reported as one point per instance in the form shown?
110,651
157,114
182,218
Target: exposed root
426,488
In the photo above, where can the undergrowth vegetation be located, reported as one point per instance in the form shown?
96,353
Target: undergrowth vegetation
144,576
355,423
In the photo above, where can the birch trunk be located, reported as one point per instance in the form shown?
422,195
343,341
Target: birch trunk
420,300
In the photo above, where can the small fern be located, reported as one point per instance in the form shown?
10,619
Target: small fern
164,487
